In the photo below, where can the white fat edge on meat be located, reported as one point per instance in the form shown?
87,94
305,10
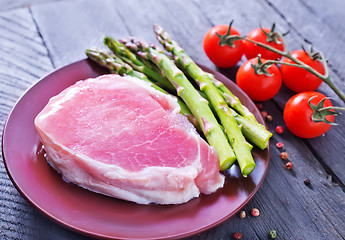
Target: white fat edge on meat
86,180
116,172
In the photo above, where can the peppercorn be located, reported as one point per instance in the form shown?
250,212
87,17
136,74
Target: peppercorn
272,234
236,235
288,165
255,212
264,114
269,118
242,214
284,155
279,129
279,145
307,181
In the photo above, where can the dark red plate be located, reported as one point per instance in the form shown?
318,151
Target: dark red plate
104,217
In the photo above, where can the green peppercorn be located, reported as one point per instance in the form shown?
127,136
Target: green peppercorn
272,234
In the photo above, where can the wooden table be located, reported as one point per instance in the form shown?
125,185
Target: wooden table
38,38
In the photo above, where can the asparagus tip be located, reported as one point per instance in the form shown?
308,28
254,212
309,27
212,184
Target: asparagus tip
157,28
106,40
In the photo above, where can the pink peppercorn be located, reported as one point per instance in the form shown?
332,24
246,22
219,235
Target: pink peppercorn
279,129
255,212
236,235
279,145
284,155
288,165
264,114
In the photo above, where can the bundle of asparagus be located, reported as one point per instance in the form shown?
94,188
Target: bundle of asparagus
203,107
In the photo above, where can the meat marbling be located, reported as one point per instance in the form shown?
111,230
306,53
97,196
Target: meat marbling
120,137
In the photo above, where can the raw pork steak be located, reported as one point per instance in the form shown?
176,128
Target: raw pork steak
120,137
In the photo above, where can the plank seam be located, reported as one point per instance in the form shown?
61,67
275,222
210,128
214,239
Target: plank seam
124,22
323,164
205,15
328,170
50,56
270,4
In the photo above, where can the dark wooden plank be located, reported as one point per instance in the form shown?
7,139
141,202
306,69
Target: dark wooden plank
19,45
23,60
329,12
95,21
7,5
68,37
322,145
307,21
306,24
311,157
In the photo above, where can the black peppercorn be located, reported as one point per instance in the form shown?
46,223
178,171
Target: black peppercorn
307,181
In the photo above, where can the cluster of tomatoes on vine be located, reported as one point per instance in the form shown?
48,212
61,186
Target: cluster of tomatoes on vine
261,78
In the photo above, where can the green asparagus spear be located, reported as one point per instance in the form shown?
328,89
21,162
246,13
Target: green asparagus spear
252,131
130,58
116,65
232,100
197,104
241,147
255,133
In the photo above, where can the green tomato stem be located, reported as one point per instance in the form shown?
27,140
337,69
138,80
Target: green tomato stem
325,78
332,108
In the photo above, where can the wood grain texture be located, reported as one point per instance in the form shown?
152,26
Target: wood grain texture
34,41
310,157
6,5
23,59
305,24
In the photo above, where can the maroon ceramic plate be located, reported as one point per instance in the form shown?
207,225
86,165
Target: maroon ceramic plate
104,217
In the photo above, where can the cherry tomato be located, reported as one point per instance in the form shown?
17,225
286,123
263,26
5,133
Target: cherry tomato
298,79
222,56
259,87
297,115
251,50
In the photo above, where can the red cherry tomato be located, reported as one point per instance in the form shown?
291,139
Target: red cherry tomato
298,79
297,115
222,56
251,50
259,87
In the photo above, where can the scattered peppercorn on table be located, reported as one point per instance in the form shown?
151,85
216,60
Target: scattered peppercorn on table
302,196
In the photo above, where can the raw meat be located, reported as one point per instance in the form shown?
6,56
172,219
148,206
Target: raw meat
120,137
